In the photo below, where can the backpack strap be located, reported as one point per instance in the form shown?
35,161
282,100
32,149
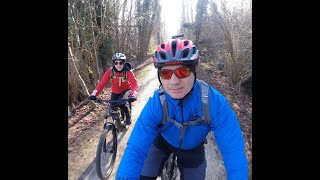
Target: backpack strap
111,75
204,91
164,105
205,119
125,75
199,121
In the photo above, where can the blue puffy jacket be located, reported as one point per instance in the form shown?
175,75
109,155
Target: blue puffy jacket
223,123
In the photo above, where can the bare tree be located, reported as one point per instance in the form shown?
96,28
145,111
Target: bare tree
201,13
187,26
99,28
224,36
148,11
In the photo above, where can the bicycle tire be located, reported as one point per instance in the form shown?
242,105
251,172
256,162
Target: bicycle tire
166,167
106,151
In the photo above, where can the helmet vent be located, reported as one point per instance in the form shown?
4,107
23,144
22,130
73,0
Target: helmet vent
185,43
174,47
185,53
162,55
194,50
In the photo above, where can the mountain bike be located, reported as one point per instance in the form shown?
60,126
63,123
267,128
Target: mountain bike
170,169
114,122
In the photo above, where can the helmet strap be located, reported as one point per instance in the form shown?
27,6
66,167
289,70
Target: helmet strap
193,69
158,73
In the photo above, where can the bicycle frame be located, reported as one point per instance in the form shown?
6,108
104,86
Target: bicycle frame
116,114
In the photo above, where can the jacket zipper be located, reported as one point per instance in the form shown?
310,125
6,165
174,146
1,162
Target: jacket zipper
182,120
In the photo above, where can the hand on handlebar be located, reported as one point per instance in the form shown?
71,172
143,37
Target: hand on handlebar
95,99
131,99
92,97
133,96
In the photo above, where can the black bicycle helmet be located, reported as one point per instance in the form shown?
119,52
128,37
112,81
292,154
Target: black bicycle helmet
176,52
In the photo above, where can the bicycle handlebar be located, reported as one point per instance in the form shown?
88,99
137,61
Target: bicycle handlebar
99,100
117,102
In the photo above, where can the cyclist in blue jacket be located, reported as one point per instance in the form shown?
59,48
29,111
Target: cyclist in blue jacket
151,142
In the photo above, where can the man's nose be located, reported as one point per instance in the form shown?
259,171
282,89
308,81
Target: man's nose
174,79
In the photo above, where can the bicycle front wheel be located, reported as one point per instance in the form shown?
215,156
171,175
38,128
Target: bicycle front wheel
106,152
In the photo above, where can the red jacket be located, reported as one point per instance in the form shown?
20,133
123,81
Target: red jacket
117,85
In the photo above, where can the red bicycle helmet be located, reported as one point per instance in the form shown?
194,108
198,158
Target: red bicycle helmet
176,52
118,56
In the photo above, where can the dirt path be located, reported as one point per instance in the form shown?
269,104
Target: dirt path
83,137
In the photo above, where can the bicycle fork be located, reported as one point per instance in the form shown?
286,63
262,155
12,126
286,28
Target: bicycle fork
109,147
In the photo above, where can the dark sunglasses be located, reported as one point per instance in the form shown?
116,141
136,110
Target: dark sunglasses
116,63
181,72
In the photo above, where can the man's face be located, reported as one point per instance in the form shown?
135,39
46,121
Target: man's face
175,87
119,65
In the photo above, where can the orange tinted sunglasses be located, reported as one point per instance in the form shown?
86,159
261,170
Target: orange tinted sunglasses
181,72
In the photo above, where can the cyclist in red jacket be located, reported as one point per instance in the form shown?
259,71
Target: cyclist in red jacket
123,83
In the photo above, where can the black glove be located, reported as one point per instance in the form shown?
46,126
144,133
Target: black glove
131,99
93,98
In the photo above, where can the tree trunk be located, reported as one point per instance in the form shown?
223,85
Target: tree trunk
75,67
